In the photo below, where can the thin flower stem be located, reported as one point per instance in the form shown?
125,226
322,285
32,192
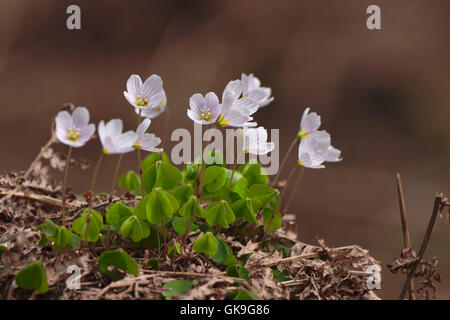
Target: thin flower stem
66,173
94,177
139,160
202,170
292,195
94,180
188,228
163,230
31,167
116,174
266,232
283,163
113,187
231,180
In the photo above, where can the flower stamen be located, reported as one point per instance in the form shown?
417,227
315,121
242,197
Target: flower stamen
206,115
73,134
302,134
141,101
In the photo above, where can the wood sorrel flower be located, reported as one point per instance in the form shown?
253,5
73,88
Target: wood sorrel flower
156,110
255,141
146,141
204,110
148,96
236,111
312,152
251,88
309,124
112,138
74,129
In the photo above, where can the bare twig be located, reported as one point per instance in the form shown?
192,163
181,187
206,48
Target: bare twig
37,197
405,229
437,204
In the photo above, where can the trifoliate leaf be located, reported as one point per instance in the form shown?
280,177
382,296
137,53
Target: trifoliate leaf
214,178
246,208
33,277
160,204
254,174
95,225
224,254
206,244
187,210
136,228
167,175
117,214
220,213
262,193
118,259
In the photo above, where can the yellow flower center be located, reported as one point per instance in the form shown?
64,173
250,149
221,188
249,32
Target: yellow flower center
299,163
302,134
221,122
206,115
141,101
73,134
137,145
105,152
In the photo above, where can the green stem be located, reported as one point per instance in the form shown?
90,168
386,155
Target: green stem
116,174
283,163
113,187
94,180
266,232
139,160
66,172
231,180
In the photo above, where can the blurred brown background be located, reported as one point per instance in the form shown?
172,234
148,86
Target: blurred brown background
384,95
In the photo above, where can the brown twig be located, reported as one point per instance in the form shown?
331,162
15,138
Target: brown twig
437,204
405,229
37,197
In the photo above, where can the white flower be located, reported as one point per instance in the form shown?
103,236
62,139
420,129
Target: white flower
251,88
147,95
74,129
204,110
255,141
334,155
112,138
236,111
309,124
312,152
154,111
145,141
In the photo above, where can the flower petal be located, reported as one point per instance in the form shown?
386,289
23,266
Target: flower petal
80,117
134,86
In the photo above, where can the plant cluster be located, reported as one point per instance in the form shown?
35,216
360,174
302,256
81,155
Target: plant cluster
179,210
